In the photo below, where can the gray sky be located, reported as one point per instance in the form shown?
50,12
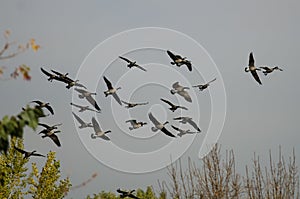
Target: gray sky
258,118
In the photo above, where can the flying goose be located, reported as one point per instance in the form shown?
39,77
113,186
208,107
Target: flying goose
159,126
135,124
70,82
181,91
189,120
268,70
51,134
82,123
84,108
124,194
182,132
51,76
49,128
178,60
43,104
251,67
98,132
173,106
204,86
27,154
131,105
132,63
111,90
88,96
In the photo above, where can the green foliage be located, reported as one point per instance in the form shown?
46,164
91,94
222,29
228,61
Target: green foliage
17,182
13,126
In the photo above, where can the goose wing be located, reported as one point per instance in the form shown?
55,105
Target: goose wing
125,59
211,81
178,118
46,72
166,101
140,67
37,154
153,119
108,83
251,60
133,196
168,133
78,118
49,109
104,137
175,85
91,100
176,128
182,107
96,125
80,85
20,150
80,90
57,73
189,65
132,122
117,98
55,139
185,95
145,103
255,75
125,102
171,55
265,67
37,102
44,125
191,122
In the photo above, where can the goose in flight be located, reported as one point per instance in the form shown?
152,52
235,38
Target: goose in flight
131,105
181,91
189,120
204,86
84,108
111,90
43,104
178,60
268,70
132,63
135,124
182,132
159,126
251,67
129,194
51,134
81,122
51,76
27,154
49,128
88,96
173,106
98,132
70,82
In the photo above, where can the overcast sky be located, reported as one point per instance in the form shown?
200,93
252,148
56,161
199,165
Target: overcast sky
258,118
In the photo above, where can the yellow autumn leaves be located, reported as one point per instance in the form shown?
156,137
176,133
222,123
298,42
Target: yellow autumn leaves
7,52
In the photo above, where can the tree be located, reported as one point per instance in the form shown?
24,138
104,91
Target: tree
16,183
7,53
13,126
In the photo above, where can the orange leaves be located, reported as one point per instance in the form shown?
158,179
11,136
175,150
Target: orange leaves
35,47
23,70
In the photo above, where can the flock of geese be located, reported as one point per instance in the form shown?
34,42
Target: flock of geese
51,130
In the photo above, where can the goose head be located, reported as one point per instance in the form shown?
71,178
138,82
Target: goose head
173,91
247,69
277,68
118,88
166,123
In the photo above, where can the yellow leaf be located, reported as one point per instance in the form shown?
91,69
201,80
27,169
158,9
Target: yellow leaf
35,47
